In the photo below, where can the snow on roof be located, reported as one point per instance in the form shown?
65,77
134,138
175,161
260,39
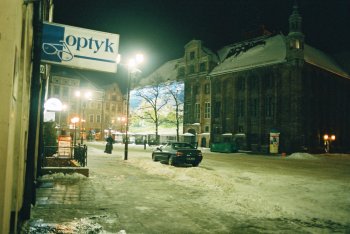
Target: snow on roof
320,59
249,54
166,72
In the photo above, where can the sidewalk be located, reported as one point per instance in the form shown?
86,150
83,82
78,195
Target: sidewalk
116,198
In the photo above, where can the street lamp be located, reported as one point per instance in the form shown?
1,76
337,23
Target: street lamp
132,68
87,96
327,141
75,120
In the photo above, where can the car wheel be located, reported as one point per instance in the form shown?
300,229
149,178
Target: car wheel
154,158
195,164
171,161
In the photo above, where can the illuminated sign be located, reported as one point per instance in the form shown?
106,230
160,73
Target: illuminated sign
79,47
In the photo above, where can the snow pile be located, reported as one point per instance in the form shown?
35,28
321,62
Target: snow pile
83,225
62,176
301,156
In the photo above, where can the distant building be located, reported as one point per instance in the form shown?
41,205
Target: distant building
99,109
269,83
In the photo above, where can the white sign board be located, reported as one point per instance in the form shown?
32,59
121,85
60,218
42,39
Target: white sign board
79,47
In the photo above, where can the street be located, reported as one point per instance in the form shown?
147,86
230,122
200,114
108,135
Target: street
227,193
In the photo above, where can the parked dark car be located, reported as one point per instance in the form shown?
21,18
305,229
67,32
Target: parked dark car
175,153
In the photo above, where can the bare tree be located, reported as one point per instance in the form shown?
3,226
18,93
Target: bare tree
155,99
175,92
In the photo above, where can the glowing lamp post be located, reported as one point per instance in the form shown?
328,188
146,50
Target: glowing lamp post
132,68
74,121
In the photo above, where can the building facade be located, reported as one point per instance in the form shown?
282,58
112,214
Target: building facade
270,84
100,109
279,84
114,108
21,91
196,64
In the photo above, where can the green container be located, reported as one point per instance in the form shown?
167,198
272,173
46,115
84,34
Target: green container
223,147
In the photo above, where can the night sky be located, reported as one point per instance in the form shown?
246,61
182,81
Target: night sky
161,28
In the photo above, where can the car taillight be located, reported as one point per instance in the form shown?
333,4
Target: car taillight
179,153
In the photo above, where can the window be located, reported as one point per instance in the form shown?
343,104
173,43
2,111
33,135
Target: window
187,112
217,109
207,88
207,110
98,118
240,108
197,109
192,55
217,87
240,84
269,106
191,69
269,82
202,67
65,91
255,107
254,83
91,118
56,90
195,90
206,129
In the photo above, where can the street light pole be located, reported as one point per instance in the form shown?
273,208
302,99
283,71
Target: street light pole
127,117
75,120
131,69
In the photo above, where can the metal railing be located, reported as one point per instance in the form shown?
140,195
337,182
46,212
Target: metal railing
78,153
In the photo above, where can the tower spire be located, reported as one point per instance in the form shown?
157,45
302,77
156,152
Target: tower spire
295,20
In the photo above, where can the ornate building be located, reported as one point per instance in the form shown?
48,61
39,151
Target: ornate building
270,83
277,83
198,61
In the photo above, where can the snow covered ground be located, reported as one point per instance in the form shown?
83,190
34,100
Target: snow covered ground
259,192
244,193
